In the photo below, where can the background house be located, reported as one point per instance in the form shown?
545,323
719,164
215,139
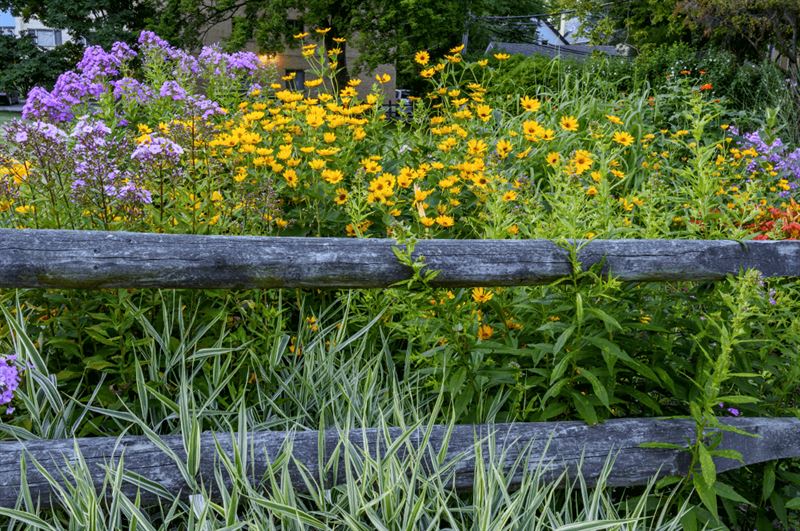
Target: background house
550,42
291,60
43,36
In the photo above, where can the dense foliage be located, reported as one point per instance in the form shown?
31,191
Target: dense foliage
151,138
26,65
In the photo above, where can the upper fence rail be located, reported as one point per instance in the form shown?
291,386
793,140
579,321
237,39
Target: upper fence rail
95,259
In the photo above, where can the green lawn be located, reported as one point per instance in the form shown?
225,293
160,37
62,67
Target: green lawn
6,116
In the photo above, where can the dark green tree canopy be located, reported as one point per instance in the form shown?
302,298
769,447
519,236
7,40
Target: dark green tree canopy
97,21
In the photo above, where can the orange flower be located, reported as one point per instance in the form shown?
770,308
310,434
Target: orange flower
569,123
481,295
445,221
485,332
706,86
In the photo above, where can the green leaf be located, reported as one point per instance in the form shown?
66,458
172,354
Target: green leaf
600,525
728,454
724,490
707,466
97,363
794,503
610,323
27,518
597,386
584,408
614,350
668,446
553,391
736,399
707,494
768,483
562,339
287,511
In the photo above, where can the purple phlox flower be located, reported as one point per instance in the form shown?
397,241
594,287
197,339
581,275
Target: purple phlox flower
122,51
248,62
73,88
148,39
152,44
775,155
49,131
730,410
772,294
35,131
186,64
172,89
97,62
203,107
131,89
9,379
90,134
211,55
41,104
232,65
132,193
158,148
97,155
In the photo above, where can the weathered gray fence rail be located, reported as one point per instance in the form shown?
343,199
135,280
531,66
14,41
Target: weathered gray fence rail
553,446
83,259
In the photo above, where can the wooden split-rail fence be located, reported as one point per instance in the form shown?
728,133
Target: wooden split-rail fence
88,260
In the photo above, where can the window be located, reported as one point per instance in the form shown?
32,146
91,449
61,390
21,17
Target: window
46,38
299,81
7,30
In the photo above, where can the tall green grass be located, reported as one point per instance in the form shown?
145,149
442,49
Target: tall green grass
341,381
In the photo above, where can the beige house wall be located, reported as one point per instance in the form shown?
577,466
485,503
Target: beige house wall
292,59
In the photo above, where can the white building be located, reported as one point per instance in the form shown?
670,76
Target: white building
570,29
44,36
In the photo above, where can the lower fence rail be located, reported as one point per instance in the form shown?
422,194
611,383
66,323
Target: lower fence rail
552,447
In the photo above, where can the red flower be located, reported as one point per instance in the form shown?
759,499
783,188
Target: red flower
792,229
707,86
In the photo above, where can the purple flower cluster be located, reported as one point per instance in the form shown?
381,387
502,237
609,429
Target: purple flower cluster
784,161
22,132
97,155
77,87
100,72
200,106
131,89
43,105
71,89
97,62
158,149
149,40
231,65
9,380
43,143
172,90
153,45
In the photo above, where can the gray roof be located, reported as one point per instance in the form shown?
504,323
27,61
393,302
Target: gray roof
569,51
